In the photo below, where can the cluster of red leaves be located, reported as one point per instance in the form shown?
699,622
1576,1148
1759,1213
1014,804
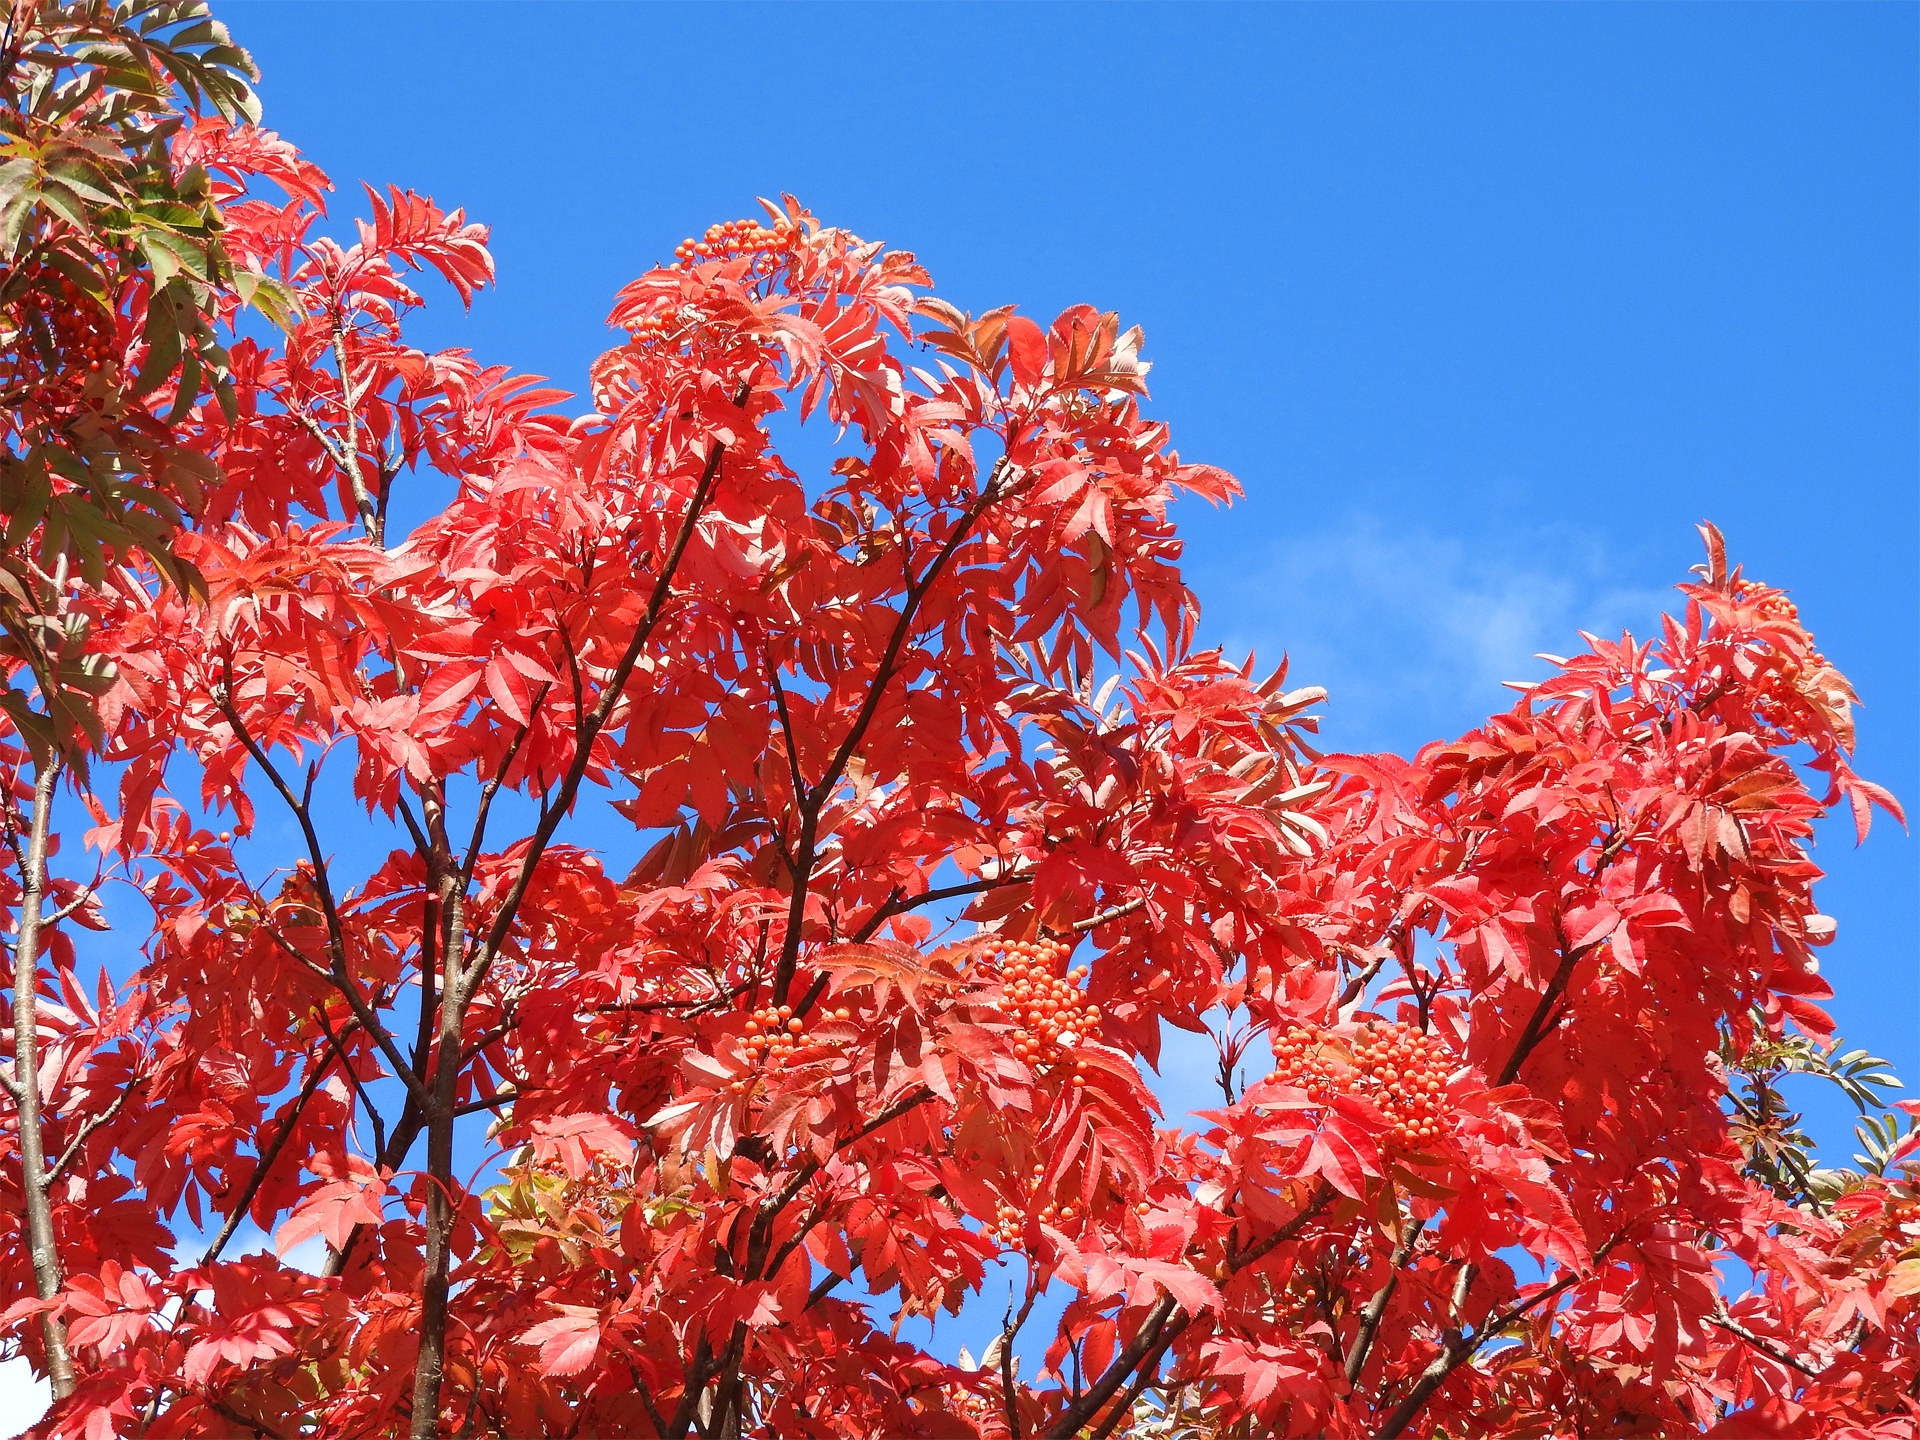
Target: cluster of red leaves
1499,975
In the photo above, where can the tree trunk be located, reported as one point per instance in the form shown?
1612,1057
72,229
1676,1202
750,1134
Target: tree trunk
442,1098
26,1070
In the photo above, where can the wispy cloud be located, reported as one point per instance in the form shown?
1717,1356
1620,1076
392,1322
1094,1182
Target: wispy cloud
1412,632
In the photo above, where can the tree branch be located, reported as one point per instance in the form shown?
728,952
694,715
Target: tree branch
91,1124
1161,1328
900,905
461,981
339,974
1107,917
42,1245
1458,1349
1356,985
1377,1306
1009,1332
590,726
1537,1027
267,1157
1765,1346
883,673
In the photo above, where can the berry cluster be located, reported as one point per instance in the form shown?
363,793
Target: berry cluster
1782,683
1010,1220
657,325
1782,686
975,1407
1398,1069
774,1033
1780,691
1045,1005
56,339
736,237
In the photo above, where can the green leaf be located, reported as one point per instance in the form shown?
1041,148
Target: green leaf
279,302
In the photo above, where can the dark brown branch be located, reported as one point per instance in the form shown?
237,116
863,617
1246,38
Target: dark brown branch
1538,1027
272,1153
727,1394
257,1427
900,905
699,1371
1389,945
413,1119
1763,1345
811,802
822,1288
1009,1332
494,1102
1142,1355
1318,1201
590,726
1377,1306
1458,1348
1161,1328
91,1124
685,1004
646,1399
1105,917
461,981
337,1043
814,992
338,974
787,734
770,1209
1122,1408
405,811
1623,836
492,787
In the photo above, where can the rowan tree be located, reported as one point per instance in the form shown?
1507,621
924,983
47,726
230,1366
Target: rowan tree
946,816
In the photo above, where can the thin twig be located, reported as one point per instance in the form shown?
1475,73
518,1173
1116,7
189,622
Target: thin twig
91,1124
1161,1328
1105,917
339,974
1458,1348
901,904
1765,1346
267,1157
1377,1306
811,802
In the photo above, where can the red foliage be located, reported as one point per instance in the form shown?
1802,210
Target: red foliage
1491,1187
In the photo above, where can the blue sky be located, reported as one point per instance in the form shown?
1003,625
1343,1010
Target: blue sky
1485,305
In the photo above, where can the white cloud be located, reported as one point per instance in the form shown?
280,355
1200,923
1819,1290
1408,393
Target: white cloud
309,1255
23,1398
1413,632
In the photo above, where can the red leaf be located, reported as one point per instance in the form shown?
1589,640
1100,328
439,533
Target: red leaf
1027,347
568,1343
